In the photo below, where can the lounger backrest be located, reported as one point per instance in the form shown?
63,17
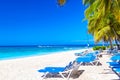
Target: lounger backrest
69,66
72,65
75,69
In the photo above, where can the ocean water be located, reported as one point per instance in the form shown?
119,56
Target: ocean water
27,51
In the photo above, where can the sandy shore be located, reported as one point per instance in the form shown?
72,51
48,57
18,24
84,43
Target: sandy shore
26,68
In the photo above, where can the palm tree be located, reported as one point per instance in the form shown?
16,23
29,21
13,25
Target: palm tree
61,2
103,19
86,2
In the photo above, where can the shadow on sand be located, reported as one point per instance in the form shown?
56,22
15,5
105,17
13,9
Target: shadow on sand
73,75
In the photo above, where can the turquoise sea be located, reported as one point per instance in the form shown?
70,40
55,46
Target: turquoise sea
12,52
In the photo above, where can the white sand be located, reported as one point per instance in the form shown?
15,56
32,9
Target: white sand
26,68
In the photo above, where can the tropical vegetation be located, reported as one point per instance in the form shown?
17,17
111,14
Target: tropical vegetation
99,47
103,19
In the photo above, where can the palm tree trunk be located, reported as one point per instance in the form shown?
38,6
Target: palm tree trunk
111,46
116,36
118,46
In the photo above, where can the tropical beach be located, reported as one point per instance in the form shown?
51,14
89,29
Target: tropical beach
27,68
60,40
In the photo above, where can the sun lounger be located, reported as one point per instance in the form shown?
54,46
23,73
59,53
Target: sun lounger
60,70
91,57
79,54
114,64
117,71
86,60
115,58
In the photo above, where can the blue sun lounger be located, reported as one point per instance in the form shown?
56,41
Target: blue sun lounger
114,64
86,59
60,70
115,58
117,71
54,70
79,54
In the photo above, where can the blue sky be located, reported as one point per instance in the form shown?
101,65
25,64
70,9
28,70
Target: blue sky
31,22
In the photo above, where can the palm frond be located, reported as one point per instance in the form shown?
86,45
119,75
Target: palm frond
61,2
88,2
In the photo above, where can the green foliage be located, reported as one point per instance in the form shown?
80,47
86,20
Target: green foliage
99,47
103,18
114,45
103,48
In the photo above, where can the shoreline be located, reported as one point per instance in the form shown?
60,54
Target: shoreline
27,68
51,53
